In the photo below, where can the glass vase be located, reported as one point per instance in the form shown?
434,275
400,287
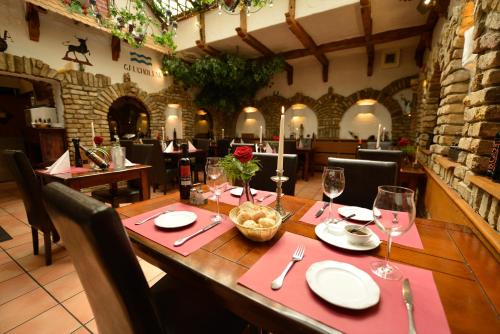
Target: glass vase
246,195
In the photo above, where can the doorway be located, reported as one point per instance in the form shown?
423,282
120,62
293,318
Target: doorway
128,118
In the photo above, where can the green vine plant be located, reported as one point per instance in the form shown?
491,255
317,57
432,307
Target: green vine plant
226,83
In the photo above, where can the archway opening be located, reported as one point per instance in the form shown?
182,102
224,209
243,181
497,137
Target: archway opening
203,124
360,123
249,122
128,118
300,121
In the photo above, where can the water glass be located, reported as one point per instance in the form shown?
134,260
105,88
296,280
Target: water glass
118,156
211,161
333,185
217,184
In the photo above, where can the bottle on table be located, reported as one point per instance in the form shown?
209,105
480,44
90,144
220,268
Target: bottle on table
176,147
95,158
185,181
78,157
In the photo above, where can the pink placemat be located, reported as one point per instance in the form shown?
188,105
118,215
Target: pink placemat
72,170
410,238
388,316
166,237
227,198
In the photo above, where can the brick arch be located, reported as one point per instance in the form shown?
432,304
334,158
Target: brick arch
270,107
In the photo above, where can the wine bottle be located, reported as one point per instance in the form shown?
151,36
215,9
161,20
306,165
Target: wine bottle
176,147
494,163
185,173
78,157
95,158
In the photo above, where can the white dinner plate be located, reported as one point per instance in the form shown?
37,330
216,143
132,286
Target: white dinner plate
175,219
343,284
238,191
360,214
341,240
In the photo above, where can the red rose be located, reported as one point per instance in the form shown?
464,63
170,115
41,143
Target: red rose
403,142
243,154
98,140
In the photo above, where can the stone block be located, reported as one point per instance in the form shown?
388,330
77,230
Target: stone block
450,129
18,64
457,108
459,172
45,70
482,113
457,76
481,146
3,62
494,212
27,65
446,140
465,143
484,129
487,95
455,88
456,119
462,156
485,205
491,78
489,60
493,20
464,191
488,41
475,198
476,163
467,177
452,98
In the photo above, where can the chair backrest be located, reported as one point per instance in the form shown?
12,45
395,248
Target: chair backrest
362,178
158,164
222,147
29,187
106,265
380,155
290,147
141,154
202,144
236,145
127,143
268,162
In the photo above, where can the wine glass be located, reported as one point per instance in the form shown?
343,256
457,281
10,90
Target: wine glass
394,214
333,186
218,182
211,161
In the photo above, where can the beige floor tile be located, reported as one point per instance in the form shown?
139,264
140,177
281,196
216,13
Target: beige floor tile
79,306
5,220
18,240
32,262
3,213
23,250
15,287
92,326
81,330
153,281
149,270
16,228
65,287
24,308
55,320
9,270
4,257
57,269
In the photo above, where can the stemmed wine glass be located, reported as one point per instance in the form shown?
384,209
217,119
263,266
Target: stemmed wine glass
333,186
211,161
394,214
218,182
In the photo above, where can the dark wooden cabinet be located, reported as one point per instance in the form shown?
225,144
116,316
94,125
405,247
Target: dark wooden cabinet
44,145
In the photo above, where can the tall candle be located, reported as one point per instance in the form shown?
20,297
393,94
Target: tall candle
383,134
260,135
281,142
378,135
93,133
222,133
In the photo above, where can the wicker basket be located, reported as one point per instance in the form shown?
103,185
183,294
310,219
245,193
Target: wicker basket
255,233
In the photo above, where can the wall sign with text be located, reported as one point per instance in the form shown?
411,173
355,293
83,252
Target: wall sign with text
143,65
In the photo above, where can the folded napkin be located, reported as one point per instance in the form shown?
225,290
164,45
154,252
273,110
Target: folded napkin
163,146
231,143
129,163
269,149
191,147
170,148
61,165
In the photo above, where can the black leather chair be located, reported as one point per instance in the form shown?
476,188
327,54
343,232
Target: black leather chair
29,187
164,171
140,154
362,178
128,147
380,155
268,162
290,147
236,145
222,147
115,285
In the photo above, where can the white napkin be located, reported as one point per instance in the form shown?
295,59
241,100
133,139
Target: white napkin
163,146
232,143
61,165
191,147
269,149
170,147
129,163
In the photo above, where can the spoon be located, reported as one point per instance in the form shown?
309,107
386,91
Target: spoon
360,227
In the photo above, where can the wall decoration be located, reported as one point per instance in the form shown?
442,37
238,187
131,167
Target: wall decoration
81,49
140,58
390,58
3,41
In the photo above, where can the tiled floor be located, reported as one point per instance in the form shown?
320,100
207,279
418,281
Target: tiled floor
35,298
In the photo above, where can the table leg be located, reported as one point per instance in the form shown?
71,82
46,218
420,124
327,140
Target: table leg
145,191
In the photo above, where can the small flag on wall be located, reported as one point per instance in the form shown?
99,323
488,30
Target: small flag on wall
140,58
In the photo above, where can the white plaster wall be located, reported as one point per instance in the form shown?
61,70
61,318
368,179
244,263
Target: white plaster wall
55,29
364,125
294,118
250,123
347,74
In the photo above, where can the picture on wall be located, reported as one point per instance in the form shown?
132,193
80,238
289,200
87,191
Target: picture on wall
80,49
390,58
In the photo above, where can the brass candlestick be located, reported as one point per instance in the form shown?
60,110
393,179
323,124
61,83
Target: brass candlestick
279,179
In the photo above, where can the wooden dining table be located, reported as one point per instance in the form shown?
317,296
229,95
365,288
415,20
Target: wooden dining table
465,272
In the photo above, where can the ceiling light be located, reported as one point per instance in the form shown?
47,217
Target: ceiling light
201,112
173,105
366,102
249,109
299,106
366,109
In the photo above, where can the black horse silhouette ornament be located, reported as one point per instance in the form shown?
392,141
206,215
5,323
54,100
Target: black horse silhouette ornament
81,49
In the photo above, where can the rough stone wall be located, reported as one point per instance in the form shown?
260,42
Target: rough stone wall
468,106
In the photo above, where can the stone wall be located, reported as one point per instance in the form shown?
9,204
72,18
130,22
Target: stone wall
468,103
87,97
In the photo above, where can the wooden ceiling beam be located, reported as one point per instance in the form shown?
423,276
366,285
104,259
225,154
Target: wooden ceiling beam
201,43
356,42
366,19
308,43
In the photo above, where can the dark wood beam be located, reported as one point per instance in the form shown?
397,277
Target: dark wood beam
115,48
33,22
366,19
356,42
308,43
208,49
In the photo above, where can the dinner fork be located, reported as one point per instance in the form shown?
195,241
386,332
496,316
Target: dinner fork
261,199
297,256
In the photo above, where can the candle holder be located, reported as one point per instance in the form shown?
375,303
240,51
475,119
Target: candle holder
260,147
279,179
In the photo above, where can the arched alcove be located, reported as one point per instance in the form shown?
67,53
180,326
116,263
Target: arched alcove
249,122
203,124
364,123
297,115
128,117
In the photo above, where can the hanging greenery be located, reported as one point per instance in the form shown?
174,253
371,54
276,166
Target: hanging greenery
226,83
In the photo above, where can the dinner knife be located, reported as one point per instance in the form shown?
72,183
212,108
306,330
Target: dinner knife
320,211
206,228
151,217
408,299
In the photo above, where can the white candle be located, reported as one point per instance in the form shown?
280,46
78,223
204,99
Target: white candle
383,134
281,142
378,135
260,136
222,133
93,133
163,133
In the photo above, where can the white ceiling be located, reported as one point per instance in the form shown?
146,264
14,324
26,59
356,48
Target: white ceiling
330,25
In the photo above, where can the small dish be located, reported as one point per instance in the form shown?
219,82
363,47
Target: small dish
360,214
238,191
357,235
341,240
175,219
343,284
